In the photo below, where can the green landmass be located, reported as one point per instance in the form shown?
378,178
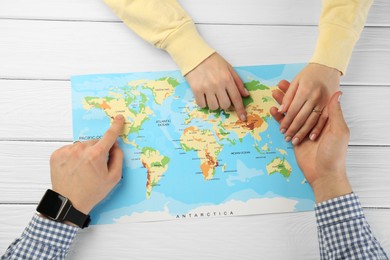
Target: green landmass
146,149
204,110
186,148
173,82
97,105
144,98
222,131
255,85
154,183
231,141
247,100
165,161
267,99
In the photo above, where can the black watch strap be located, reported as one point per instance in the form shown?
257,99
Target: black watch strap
78,218
59,208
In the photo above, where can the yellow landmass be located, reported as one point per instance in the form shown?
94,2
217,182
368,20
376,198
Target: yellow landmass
115,95
161,88
265,147
281,151
204,142
196,113
115,106
136,83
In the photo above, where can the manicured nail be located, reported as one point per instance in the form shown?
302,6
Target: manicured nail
119,117
243,117
246,92
283,131
295,141
313,137
287,139
338,99
281,108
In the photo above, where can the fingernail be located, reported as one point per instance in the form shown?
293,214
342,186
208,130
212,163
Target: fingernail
119,117
281,108
246,92
287,139
313,137
243,117
283,130
295,141
338,99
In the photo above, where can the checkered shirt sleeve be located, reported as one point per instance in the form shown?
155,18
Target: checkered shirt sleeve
343,231
42,239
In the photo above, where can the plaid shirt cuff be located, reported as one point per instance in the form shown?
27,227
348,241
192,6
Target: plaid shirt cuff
338,210
50,233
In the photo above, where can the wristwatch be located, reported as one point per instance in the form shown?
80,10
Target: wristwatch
59,208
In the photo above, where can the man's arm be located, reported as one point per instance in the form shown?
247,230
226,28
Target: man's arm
81,173
42,239
342,228
343,231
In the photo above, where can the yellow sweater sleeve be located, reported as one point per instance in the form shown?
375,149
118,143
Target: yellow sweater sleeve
166,25
340,25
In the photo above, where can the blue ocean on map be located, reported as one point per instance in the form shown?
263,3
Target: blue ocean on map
182,161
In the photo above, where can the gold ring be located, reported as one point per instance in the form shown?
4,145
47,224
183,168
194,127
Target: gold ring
317,111
75,142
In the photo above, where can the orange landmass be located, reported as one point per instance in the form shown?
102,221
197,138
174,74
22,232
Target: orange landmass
104,105
188,129
208,165
205,167
253,121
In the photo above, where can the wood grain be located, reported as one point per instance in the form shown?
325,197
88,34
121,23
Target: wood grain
280,236
272,12
29,49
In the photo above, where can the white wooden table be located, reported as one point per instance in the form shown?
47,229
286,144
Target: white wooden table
44,42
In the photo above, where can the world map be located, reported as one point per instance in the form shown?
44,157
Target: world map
183,161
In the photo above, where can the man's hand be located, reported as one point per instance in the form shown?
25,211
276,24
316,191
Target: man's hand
215,85
86,172
309,91
323,160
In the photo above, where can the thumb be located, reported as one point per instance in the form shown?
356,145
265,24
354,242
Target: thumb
335,113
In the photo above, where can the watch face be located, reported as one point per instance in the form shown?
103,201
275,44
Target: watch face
51,204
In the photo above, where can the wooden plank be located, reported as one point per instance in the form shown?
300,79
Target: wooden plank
30,49
246,237
41,110
272,12
25,172
36,110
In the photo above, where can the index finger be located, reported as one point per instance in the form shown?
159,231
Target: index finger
236,99
109,138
